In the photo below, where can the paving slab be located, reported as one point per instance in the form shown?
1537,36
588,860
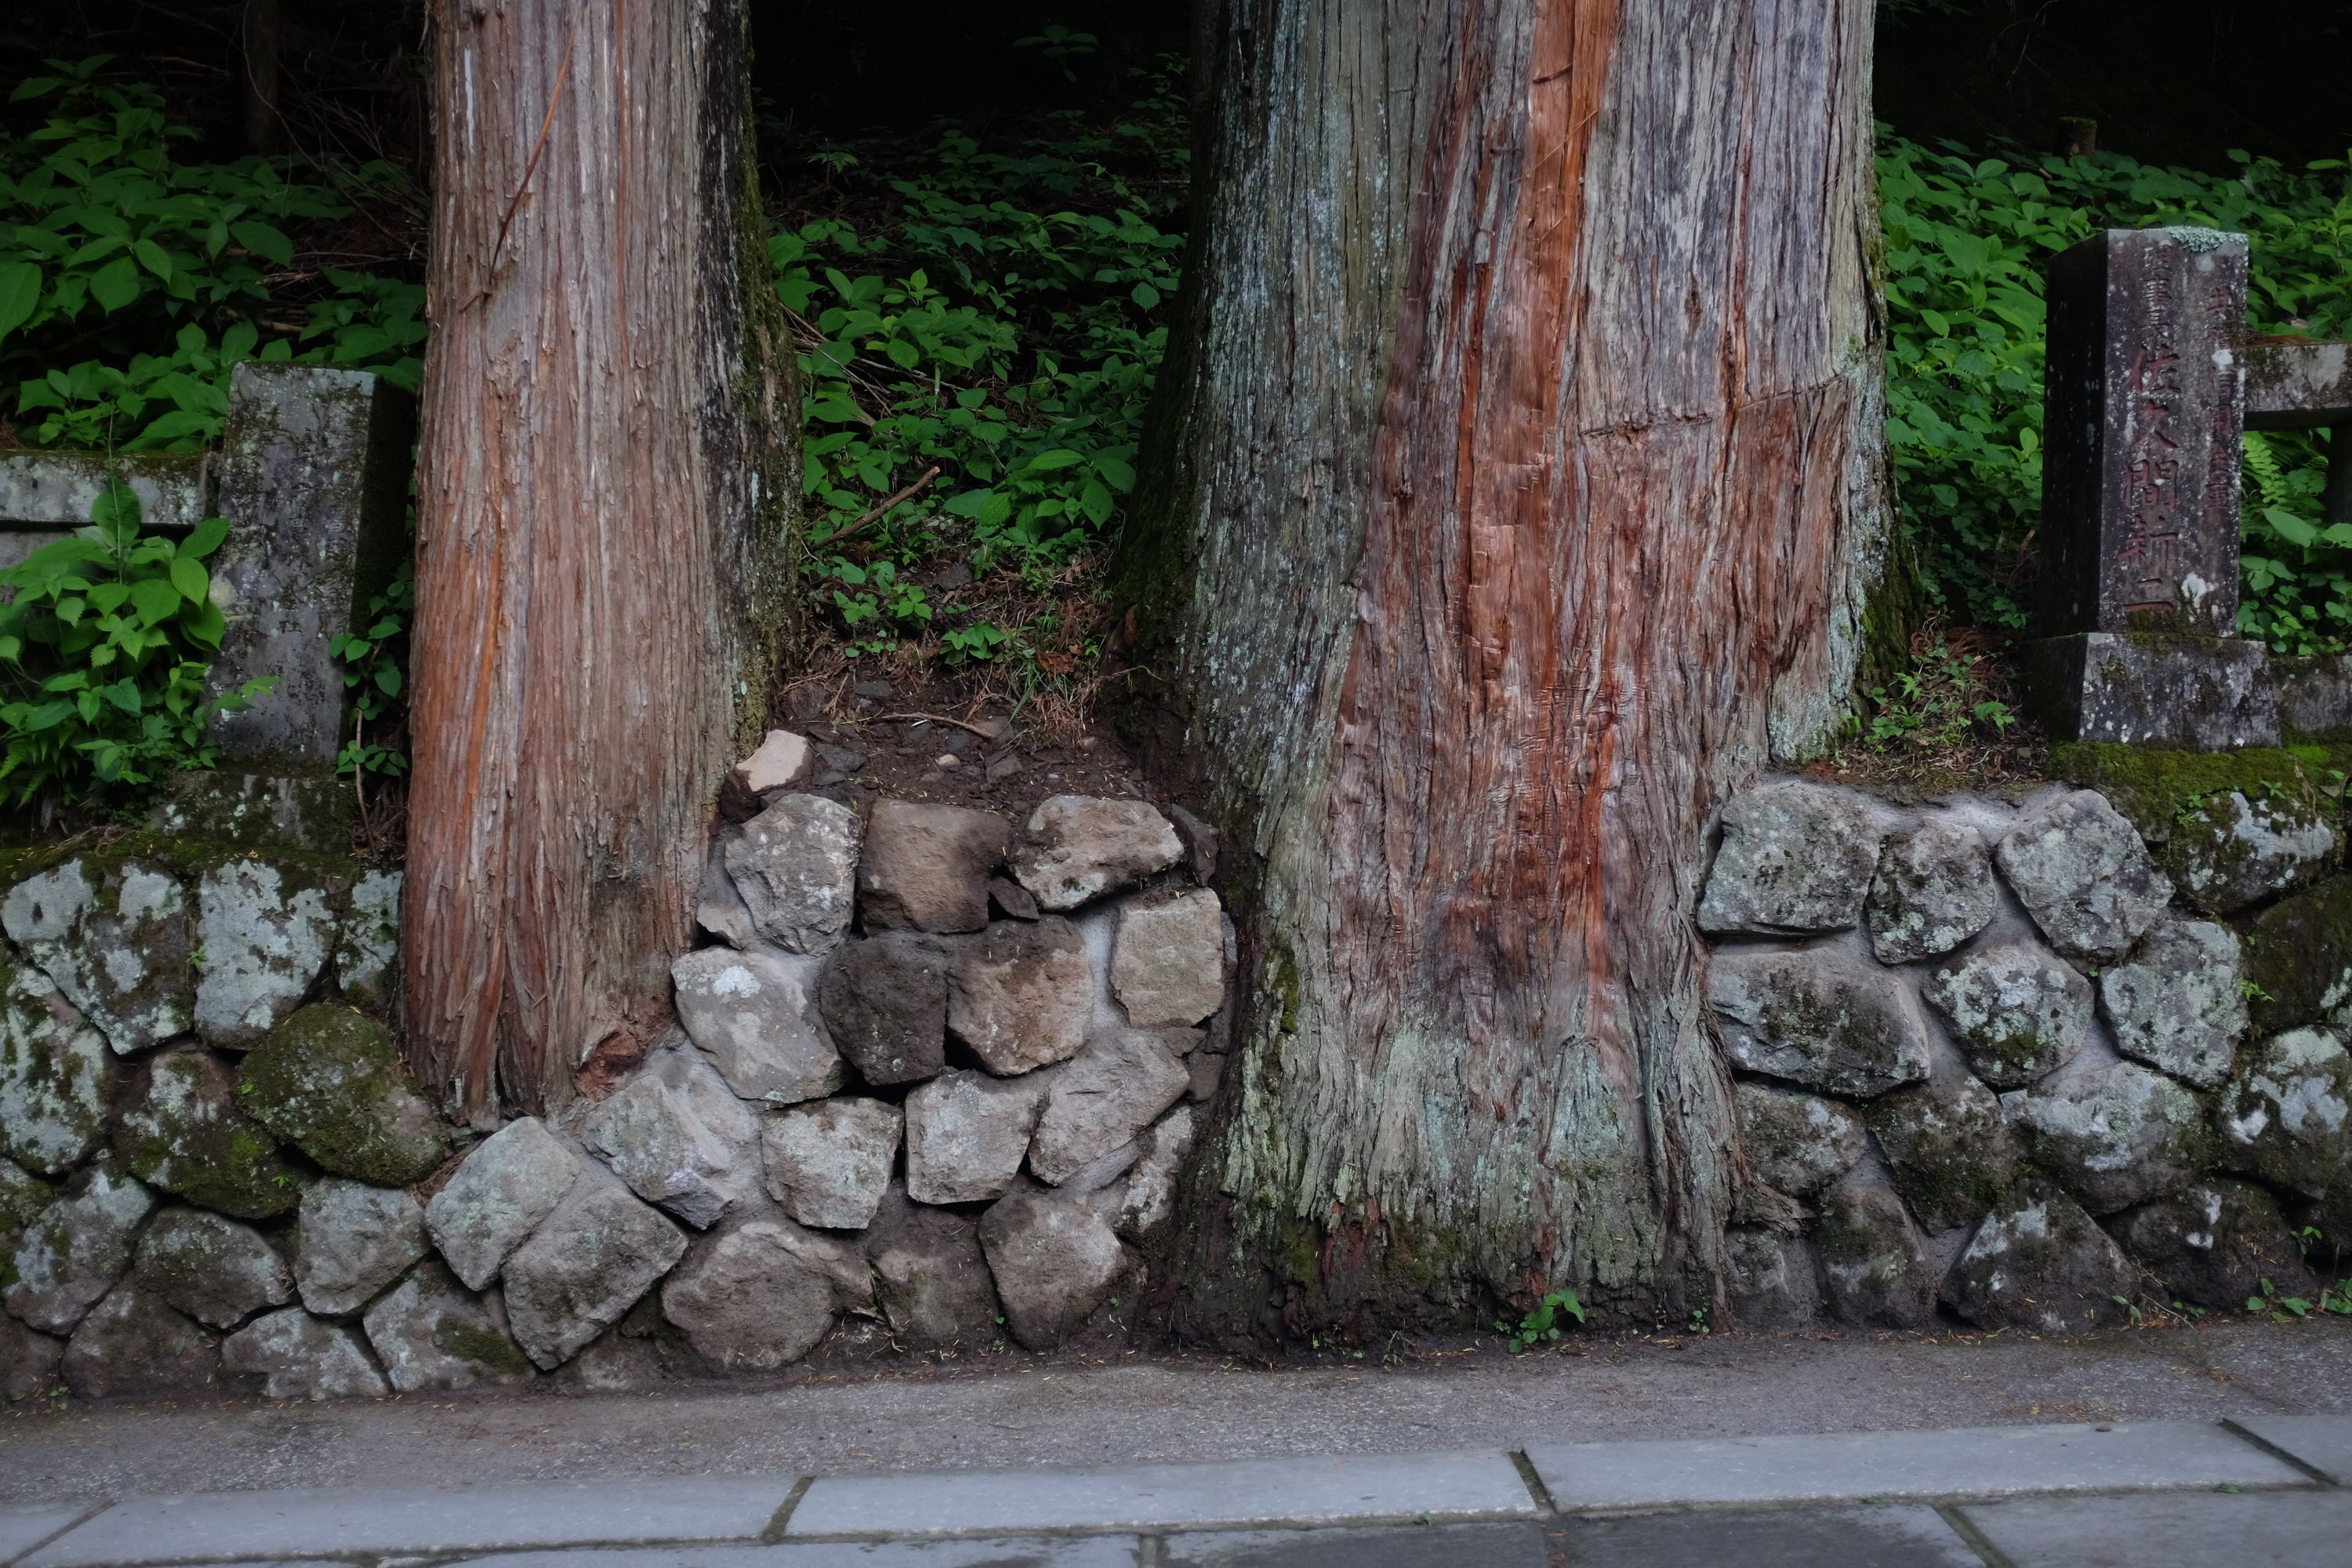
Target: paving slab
330,1520
2173,1529
1890,1535
1075,1552
1973,1461
2323,1442
22,1529
1338,1489
1408,1546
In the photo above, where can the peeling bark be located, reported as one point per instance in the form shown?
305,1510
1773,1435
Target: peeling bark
609,461
1521,491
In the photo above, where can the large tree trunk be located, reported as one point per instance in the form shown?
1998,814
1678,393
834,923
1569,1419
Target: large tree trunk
608,465
1520,492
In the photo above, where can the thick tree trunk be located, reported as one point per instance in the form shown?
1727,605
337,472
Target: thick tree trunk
1520,493
260,42
608,465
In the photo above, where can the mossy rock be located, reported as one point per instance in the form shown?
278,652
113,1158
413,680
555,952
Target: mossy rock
330,1081
2230,828
2299,957
22,1196
180,1128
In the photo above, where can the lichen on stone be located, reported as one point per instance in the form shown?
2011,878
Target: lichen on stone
330,1081
181,1130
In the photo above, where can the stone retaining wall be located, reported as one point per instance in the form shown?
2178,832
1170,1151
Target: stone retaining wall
933,1075
2004,1061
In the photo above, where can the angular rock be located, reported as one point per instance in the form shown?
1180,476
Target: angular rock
299,1357
1797,1144
966,1134
367,947
2041,1264
433,1334
1076,847
331,1082
2227,851
756,1015
1795,857
267,930
496,1199
1010,900
1953,1153
586,1264
1932,891
55,1075
1170,964
1053,1261
1771,1282
132,1343
115,938
1150,1195
351,1241
828,1164
755,1296
795,867
1208,1070
216,1270
2085,876
1022,995
2176,1004
718,908
76,1249
933,1279
1200,844
2299,957
1873,1269
679,1137
180,1128
2214,1243
2019,1012
1110,1091
927,867
1819,1018
22,1196
781,762
2116,1136
30,1363
2282,1117
885,1004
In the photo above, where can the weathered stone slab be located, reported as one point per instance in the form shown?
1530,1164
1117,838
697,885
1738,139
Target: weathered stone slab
756,1015
966,1134
718,908
55,1075
1820,1018
179,1128
130,1343
2298,386
266,929
829,1163
115,938
77,1249
1796,857
1169,964
927,867
885,1004
216,1270
1149,1196
1771,1279
2176,1004
1953,1153
1075,848
931,1278
2116,1136
1110,1092
679,1137
1797,1144
2283,1116
781,760
1021,994
795,866
2043,1265
309,812
2085,876
2227,851
2019,1012
367,947
353,1240
1874,1267
2142,688
1054,1260
1933,889
332,1083
2214,1243
590,1261
433,1334
754,1297
297,1356
496,1199
312,472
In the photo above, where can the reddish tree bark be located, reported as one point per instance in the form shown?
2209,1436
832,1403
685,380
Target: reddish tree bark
608,459
1521,493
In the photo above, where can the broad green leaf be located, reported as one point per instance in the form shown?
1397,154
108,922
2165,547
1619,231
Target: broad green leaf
116,284
189,576
155,599
20,293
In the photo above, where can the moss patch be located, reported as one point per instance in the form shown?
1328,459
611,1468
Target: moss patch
330,1081
180,1129
483,1345
2156,788
2299,957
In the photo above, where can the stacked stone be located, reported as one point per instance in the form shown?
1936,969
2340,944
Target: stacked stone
202,1143
1984,1062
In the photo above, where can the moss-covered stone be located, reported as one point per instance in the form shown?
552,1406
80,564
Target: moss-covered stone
2299,957
181,1130
330,1081
1873,1269
113,931
55,1074
2229,828
1953,1153
22,1196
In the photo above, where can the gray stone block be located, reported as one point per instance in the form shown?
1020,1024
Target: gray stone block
2041,1264
2287,1530
114,935
297,1356
55,1074
1411,1546
1932,891
1796,857
1893,1535
1075,848
2138,689
2019,1012
2323,1442
1820,1018
2084,875
512,1181
1797,1144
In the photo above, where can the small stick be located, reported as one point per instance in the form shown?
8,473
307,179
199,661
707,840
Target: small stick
940,719
930,473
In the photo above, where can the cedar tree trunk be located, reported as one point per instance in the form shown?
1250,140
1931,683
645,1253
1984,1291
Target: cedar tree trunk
609,460
1519,491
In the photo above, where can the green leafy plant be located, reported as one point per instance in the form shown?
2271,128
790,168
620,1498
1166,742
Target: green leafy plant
1940,702
106,639
1543,1325
376,673
2280,1309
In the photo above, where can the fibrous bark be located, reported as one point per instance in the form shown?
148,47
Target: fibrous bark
608,462
1519,493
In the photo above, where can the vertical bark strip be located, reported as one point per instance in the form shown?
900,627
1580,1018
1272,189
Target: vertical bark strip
607,458
1524,491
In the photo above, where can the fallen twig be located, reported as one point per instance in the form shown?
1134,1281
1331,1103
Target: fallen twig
941,719
929,475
